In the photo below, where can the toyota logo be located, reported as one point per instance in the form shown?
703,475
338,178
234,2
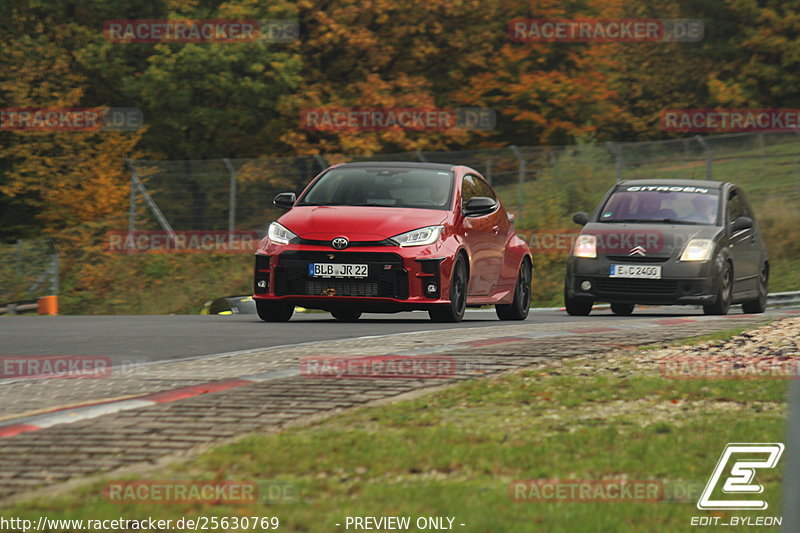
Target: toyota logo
340,243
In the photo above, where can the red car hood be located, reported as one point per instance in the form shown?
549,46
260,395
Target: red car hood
357,223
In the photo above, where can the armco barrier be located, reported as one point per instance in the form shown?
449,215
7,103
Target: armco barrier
46,305
783,299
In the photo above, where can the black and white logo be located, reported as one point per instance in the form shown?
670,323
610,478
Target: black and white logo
639,250
340,243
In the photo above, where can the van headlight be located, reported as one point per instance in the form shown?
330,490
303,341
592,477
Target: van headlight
698,250
419,237
585,246
280,235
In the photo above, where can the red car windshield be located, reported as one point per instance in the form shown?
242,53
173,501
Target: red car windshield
382,187
647,204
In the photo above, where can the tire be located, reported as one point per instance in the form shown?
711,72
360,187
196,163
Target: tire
577,307
346,316
622,309
759,305
454,311
521,306
724,292
274,311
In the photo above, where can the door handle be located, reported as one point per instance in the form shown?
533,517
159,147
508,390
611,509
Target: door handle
495,229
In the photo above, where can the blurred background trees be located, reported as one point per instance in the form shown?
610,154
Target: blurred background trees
244,99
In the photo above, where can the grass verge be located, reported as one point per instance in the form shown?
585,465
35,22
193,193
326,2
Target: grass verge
454,453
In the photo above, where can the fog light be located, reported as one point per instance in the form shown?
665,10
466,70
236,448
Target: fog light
431,288
586,285
262,284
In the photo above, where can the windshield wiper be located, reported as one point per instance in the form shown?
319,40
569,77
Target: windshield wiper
652,221
675,221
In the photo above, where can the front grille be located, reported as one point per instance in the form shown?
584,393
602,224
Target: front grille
636,286
385,242
335,256
338,287
291,275
636,259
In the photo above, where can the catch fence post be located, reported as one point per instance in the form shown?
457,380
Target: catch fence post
231,199
520,177
617,151
709,157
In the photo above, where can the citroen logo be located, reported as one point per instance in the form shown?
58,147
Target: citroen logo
639,250
340,243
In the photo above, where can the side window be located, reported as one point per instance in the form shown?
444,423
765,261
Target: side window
746,209
469,188
735,207
484,189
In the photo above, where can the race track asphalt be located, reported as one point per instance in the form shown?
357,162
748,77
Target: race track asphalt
128,339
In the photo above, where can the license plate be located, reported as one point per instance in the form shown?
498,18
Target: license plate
337,270
635,271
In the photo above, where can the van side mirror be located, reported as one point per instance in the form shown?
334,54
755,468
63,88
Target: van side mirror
580,218
741,224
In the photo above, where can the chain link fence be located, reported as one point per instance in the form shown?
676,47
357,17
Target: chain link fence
542,186
28,270
236,194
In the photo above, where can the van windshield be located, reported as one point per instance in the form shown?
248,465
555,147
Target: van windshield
659,203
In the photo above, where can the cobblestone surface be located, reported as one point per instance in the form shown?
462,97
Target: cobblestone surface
59,453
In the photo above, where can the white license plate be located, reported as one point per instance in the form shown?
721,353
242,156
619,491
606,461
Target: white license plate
636,271
337,270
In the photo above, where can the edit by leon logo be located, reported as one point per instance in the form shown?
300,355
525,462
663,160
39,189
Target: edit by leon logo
739,479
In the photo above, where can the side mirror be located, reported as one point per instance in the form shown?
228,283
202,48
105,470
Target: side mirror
741,224
285,200
479,205
580,218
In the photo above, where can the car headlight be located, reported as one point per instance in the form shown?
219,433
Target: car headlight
280,235
419,237
698,250
585,246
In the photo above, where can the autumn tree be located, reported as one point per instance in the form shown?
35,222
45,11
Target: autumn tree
70,177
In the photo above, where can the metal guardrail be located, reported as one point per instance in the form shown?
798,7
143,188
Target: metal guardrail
783,299
14,308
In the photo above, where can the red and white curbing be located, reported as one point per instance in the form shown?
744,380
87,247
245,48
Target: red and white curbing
69,415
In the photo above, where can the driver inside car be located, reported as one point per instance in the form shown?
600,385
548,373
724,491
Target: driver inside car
703,210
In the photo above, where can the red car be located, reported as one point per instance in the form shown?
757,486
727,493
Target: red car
389,237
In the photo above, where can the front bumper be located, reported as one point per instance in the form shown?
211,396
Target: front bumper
399,278
681,283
